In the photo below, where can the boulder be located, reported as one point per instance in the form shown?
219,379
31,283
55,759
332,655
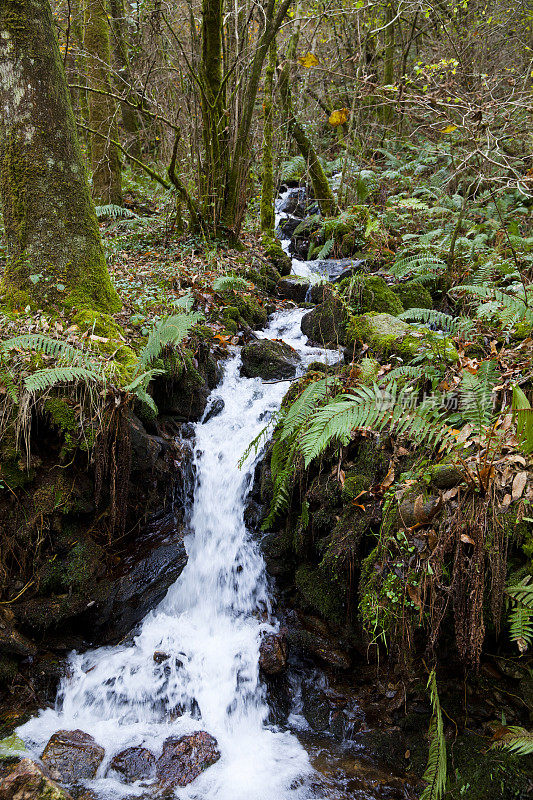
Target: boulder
293,288
185,757
28,781
294,201
134,764
273,654
388,335
269,360
413,295
216,407
371,293
72,756
446,476
327,323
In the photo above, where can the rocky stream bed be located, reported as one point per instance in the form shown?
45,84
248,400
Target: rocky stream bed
215,674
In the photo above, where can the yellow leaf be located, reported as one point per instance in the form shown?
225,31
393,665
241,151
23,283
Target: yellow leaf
308,61
449,129
338,117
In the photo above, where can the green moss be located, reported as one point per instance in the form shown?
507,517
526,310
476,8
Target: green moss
62,413
413,295
276,255
376,296
320,592
388,335
97,323
368,370
8,669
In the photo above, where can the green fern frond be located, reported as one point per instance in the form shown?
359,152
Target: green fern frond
511,308
445,322
476,395
170,331
113,211
423,266
293,169
521,627
44,379
302,407
523,592
516,740
56,348
326,249
372,407
307,223
436,769
145,398
406,371
227,282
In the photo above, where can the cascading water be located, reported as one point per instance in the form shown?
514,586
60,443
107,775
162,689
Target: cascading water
209,625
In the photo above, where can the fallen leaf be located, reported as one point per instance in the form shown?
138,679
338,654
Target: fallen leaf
308,61
338,117
519,484
467,539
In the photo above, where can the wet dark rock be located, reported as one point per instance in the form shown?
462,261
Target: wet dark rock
294,202
11,641
326,324
125,601
160,657
186,757
269,360
311,635
145,448
273,654
216,407
288,225
28,781
72,756
293,288
385,747
187,430
134,764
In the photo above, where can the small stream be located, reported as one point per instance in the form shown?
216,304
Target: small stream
207,631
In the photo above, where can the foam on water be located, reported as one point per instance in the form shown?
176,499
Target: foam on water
210,624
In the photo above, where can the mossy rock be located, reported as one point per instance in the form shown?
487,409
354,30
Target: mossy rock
371,293
100,324
320,592
327,323
277,256
61,413
387,335
75,572
294,288
413,294
244,310
265,276
269,360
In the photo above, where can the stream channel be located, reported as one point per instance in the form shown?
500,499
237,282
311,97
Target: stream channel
209,627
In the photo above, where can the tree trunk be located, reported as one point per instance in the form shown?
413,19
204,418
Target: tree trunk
130,117
105,160
55,255
214,128
388,60
319,181
267,181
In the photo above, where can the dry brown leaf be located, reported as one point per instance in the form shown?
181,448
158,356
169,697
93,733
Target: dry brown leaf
467,539
519,484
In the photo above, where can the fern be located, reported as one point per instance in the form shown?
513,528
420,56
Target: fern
520,618
170,331
113,211
326,249
435,774
307,223
44,379
509,308
228,282
423,266
56,348
372,407
476,395
516,740
445,322
293,169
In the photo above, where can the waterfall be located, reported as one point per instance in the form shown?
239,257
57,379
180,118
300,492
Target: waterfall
209,625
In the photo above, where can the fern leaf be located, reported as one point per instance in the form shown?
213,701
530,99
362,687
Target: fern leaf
516,740
113,211
300,410
439,319
523,414
226,282
476,395
170,331
521,627
435,774
44,379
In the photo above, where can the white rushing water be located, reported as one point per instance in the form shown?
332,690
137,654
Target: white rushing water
210,624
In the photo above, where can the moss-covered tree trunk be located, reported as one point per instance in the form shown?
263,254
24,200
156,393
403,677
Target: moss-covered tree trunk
130,117
214,121
105,160
267,182
54,250
319,181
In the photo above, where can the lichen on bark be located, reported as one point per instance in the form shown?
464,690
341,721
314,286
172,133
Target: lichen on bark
55,254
